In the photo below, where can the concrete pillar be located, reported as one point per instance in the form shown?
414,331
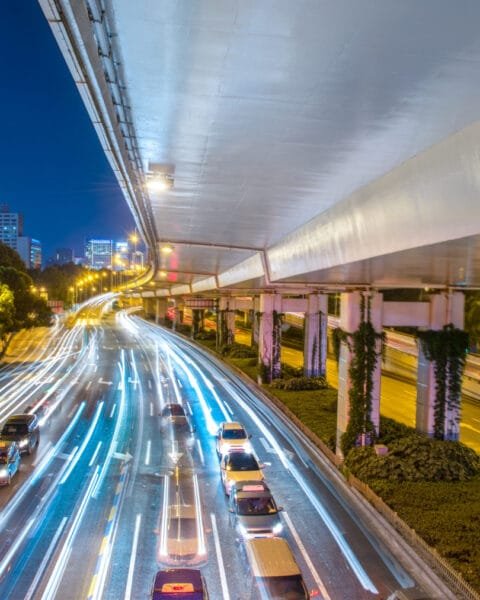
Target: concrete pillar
226,321
149,307
350,319
315,342
160,310
270,333
445,308
256,321
197,319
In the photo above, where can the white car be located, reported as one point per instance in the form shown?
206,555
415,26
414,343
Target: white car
232,437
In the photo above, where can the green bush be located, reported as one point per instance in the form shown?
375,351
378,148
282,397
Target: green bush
206,335
415,458
288,371
300,383
238,351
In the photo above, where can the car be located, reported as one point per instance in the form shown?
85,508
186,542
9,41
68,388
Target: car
253,510
239,466
182,543
274,572
184,584
23,429
231,437
174,414
9,461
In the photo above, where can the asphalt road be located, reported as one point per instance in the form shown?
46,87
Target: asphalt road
88,515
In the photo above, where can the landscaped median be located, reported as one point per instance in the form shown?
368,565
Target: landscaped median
433,486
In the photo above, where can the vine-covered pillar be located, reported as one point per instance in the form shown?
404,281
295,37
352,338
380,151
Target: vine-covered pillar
315,340
225,321
148,307
270,336
350,320
445,308
160,310
197,318
256,321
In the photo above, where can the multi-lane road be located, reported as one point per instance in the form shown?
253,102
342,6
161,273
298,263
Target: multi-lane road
91,513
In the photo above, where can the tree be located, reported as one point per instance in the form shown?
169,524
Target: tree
7,313
10,258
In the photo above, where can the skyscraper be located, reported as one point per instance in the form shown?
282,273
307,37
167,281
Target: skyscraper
99,254
30,251
11,226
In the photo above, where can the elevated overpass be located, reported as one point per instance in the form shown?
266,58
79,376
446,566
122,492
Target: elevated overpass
294,144
281,151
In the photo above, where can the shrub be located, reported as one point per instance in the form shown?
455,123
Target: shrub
238,351
207,335
415,458
300,383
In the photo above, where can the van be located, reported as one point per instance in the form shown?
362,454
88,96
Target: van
275,573
24,430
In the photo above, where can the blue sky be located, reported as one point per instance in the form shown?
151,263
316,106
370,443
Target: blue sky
52,167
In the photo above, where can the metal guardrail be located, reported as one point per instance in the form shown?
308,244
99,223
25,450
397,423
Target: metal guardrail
429,554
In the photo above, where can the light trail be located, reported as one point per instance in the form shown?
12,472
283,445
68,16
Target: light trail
133,556
221,566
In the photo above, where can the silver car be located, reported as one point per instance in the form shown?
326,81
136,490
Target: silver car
254,512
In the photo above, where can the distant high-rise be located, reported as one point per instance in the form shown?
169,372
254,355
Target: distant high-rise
30,251
11,226
99,254
62,256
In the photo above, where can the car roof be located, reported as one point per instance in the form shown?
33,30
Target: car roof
163,587
232,425
25,418
240,486
271,557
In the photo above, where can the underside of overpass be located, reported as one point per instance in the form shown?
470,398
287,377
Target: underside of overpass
307,144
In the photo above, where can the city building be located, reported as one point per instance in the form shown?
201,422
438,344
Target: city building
98,254
121,256
11,226
30,251
62,256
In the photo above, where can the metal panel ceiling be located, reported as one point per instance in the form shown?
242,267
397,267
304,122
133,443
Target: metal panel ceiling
272,113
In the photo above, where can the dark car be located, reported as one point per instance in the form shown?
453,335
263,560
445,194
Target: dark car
184,584
174,414
24,430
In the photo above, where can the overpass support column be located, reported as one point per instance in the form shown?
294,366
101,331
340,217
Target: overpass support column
226,322
160,310
270,336
445,308
315,346
149,307
350,320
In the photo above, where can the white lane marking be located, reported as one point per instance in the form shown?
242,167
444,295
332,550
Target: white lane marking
15,546
221,566
149,384
200,452
267,446
113,410
46,558
310,565
227,406
151,409
133,556
94,456
180,383
148,452
88,385
189,408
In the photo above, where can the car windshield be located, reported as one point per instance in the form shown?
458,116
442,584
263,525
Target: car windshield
182,528
14,428
234,434
242,462
256,506
282,588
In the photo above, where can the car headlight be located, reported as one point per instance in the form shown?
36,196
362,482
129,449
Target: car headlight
278,528
23,443
3,472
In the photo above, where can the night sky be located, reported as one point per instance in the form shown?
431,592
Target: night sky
52,167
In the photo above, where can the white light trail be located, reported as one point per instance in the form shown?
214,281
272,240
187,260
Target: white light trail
147,452
133,556
221,566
